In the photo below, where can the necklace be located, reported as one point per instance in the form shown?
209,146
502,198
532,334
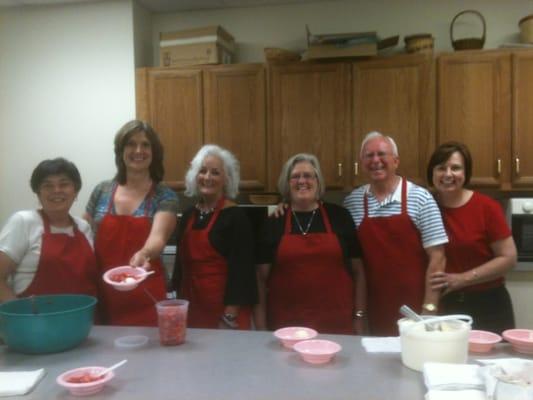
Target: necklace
304,232
204,212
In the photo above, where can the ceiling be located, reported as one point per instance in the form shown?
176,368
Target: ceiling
162,6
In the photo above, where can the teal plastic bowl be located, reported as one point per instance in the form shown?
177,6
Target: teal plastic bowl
62,322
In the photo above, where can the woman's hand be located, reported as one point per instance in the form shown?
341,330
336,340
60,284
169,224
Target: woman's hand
141,260
446,283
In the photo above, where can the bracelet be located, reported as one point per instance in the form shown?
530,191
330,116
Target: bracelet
229,320
359,314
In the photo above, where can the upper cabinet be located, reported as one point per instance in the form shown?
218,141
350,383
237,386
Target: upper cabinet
394,95
484,100
172,101
309,111
189,107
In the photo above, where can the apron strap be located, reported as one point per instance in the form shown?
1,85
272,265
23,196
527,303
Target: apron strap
46,222
404,195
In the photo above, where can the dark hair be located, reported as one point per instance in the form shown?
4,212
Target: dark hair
56,166
443,152
121,139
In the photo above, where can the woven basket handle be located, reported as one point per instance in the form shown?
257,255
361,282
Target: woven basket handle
471,12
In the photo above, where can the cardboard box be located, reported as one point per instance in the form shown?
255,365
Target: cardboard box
357,44
208,45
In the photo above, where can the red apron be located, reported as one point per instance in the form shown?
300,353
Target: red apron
204,276
118,238
395,266
67,264
309,284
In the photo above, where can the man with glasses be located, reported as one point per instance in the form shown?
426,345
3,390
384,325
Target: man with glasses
400,230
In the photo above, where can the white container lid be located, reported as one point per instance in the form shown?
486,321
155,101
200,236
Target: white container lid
131,342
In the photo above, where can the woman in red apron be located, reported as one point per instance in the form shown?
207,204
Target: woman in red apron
134,215
215,263
61,258
305,276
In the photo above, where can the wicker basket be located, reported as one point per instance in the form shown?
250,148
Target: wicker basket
468,43
419,43
277,55
526,29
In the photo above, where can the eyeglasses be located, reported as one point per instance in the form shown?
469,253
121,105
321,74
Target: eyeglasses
379,154
307,176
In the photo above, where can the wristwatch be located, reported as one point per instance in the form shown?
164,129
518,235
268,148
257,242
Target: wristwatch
230,320
429,307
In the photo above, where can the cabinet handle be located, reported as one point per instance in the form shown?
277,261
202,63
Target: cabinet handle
340,169
499,163
517,165
356,168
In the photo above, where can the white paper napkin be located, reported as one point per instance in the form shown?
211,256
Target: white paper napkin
382,344
20,382
443,376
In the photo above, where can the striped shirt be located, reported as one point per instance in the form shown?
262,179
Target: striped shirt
421,208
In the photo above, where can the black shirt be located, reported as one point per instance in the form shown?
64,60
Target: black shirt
231,236
341,224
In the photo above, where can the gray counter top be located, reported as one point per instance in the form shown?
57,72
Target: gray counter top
218,364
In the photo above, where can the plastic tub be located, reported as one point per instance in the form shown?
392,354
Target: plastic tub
62,321
447,344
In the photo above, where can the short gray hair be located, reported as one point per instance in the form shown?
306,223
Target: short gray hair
285,176
375,134
231,170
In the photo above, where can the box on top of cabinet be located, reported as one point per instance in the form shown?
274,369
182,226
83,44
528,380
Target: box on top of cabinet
207,45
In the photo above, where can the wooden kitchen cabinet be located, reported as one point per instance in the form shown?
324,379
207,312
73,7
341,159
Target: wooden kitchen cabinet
309,111
485,100
189,107
395,96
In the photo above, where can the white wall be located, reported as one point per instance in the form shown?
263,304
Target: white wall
66,87
142,36
284,25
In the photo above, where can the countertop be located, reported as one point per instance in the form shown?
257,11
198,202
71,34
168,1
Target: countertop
220,364
233,365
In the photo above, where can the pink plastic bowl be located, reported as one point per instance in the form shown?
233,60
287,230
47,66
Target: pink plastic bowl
139,274
293,334
317,351
84,389
482,341
520,339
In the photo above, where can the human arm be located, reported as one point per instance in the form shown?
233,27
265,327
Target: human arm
359,316
436,264
504,259
260,320
163,225
7,267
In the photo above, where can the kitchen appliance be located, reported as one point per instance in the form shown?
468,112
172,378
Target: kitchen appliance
520,218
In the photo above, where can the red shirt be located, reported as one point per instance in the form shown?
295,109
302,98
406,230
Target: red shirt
471,229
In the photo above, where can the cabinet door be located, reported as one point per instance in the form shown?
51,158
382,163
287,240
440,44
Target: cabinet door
474,107
172,103
309,112
395,97
235,109
522,137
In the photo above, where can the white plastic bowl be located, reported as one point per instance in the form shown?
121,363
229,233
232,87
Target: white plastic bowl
291,335
137,276
317,351
84,389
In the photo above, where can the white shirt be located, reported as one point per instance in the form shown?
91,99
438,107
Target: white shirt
21,240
